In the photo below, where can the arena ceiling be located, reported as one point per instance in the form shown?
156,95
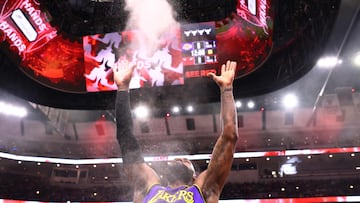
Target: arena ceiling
303,31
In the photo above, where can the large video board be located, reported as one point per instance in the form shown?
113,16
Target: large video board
184,53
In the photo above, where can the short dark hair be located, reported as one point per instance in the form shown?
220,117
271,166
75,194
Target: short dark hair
179,172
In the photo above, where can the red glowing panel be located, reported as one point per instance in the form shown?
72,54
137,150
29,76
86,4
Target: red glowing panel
23,26
58,64
44,56
247,37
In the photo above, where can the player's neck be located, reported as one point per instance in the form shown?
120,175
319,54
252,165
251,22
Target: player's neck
177,184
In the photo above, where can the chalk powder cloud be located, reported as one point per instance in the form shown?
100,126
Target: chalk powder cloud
151,18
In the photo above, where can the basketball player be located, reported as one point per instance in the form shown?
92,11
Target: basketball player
184,186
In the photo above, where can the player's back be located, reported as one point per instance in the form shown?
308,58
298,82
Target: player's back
182,194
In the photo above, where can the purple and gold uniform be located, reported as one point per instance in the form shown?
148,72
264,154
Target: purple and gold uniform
182,194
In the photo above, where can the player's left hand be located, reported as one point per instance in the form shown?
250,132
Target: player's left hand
225,80
123,70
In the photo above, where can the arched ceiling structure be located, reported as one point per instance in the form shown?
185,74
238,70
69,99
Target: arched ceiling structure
300,33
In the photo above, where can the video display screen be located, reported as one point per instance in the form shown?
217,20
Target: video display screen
160,67
186,52
198,44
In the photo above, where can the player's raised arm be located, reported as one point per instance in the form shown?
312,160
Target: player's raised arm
212,180
140,174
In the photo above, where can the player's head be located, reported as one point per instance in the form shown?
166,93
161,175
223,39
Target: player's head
180,170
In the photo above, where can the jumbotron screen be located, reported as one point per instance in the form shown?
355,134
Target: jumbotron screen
184,53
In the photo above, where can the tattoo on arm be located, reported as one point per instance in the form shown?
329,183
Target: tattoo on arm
224,148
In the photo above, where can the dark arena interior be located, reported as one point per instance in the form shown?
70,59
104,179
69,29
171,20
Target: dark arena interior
296,92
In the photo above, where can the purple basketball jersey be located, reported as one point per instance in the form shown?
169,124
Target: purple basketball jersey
182,194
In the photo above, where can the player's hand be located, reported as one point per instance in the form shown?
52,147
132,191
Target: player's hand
225,80
123,70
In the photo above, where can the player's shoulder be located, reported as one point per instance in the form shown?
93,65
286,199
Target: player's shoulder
208,190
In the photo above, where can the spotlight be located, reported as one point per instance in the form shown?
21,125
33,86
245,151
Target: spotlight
141,112
290,101
356,59
190,108
176,109
328,62
250,104
9,109
238,104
